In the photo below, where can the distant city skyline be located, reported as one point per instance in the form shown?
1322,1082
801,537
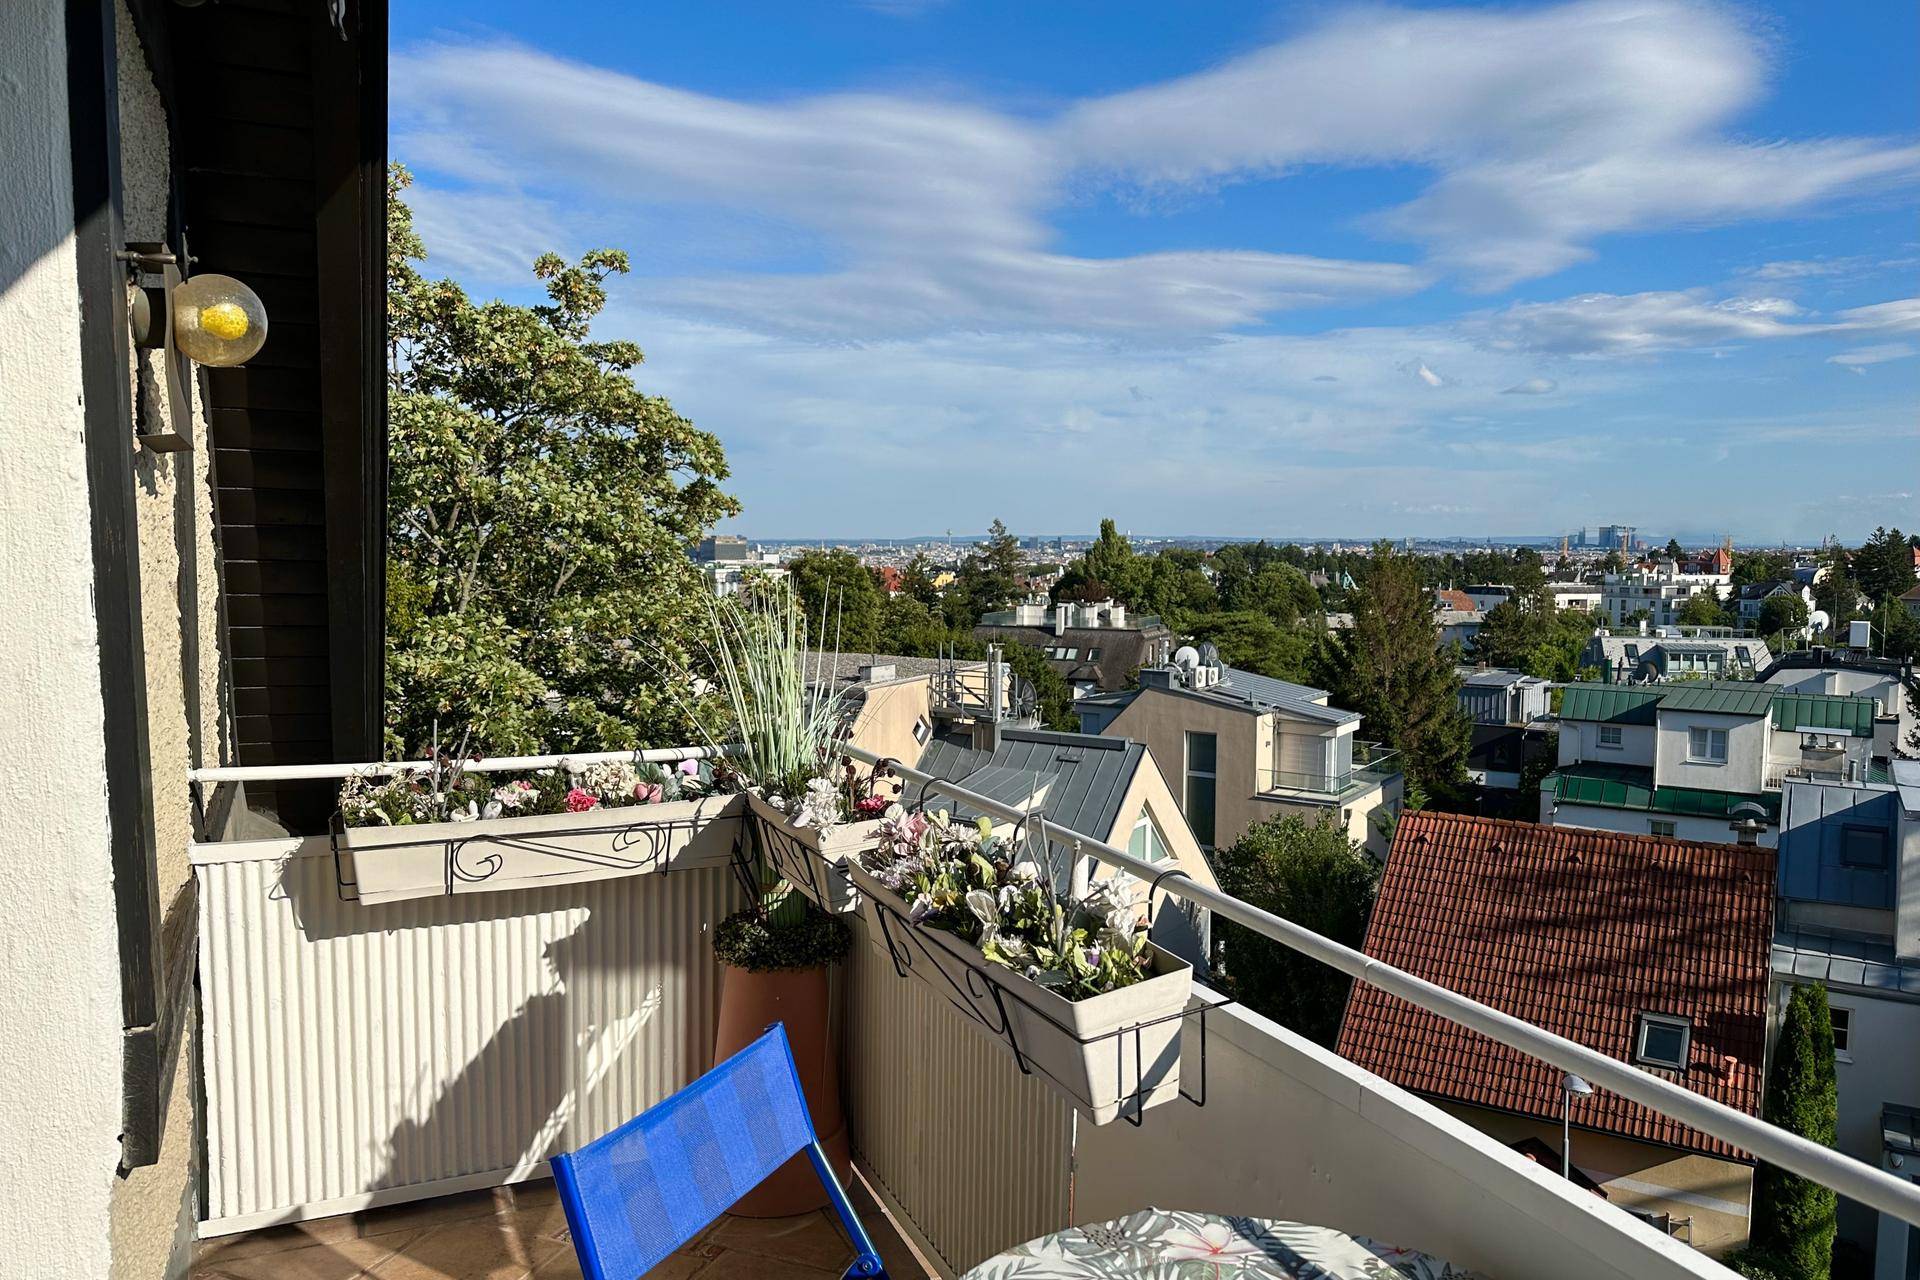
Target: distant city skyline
1431,270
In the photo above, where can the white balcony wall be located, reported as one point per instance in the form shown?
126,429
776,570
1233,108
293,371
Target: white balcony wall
977,1158
1744,769
358,1055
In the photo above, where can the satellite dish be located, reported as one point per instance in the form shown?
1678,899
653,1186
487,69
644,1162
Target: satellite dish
1186,656
1818,620
1209,654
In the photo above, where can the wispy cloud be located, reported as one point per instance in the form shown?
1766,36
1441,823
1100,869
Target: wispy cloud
1532,387
1860,357
1542,130
1641,324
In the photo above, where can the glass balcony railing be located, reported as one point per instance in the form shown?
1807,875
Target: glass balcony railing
1372,765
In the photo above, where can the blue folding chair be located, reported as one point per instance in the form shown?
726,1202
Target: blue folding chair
642,1191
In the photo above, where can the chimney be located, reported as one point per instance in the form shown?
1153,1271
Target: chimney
1060,614
995,695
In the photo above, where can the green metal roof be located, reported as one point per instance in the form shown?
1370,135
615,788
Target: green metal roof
1832,712
1718,697
1613,703
1615,786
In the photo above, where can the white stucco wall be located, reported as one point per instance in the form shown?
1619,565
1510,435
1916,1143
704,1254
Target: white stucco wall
60,1011
1580,740
1746,762
1639,822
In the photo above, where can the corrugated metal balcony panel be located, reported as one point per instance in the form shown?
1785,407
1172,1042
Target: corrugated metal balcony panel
405,1050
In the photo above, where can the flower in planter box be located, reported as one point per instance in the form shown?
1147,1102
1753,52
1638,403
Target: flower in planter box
579,801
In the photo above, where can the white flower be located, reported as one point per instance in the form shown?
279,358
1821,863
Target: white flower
922,907
468,814
492,809
1025,869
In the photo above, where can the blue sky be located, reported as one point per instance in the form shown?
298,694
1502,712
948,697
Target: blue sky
1221,268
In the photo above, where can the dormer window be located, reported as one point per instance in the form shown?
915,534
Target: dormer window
1663,1040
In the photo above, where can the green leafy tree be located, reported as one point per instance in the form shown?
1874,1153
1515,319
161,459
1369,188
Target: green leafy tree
1313,875
916,581
989,579
1390,669
1674,550
840,598
1793,1217
1838,593
540,507
1702,610
1782,614
1750,567
1884,564
1896,632
1254,642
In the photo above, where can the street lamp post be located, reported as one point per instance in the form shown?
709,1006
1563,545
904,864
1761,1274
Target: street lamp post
1570,1086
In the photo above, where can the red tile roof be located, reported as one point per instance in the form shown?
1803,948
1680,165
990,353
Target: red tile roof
1450,598
1578,932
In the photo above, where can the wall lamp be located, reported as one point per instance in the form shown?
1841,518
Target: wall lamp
208,319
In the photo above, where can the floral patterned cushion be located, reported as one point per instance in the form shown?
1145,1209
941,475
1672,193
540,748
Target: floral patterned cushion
1162,1244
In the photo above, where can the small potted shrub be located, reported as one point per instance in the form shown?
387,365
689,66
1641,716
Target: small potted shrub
449,829
774,955
1092,1004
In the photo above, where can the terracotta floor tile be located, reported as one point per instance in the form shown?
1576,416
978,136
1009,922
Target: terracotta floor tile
418,1214
487,1248
812,1239
294,1235
736,1265
345,1259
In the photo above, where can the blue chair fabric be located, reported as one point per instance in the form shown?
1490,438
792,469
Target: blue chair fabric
635,1195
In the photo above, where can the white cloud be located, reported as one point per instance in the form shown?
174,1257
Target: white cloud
1545,129
1859,358
1532,387
899,212
925,215
1639,324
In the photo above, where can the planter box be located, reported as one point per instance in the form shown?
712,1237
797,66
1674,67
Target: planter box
1110,1055
434,859
810,859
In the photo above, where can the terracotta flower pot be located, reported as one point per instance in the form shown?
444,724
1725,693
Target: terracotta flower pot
749,1002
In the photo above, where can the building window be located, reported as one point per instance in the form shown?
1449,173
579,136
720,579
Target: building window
1744,654
1864,847
1610,736
1842,1020
1203,753
1660,828
1633,653
922,730
1707,746
1093,655
1663,1041
1146,841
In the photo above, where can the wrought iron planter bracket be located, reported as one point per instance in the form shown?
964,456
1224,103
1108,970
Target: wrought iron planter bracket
986,994
657,837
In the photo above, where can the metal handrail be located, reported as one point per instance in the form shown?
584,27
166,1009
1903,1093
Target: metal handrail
496,764
1369,766
1852,1178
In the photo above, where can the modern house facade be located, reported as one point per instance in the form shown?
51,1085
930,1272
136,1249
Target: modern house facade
1675,653
1596,935
1239,748
1850,920
1659,590
1094,647
1689,759
1511,713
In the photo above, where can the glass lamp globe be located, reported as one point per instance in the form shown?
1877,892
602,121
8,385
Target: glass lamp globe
218,321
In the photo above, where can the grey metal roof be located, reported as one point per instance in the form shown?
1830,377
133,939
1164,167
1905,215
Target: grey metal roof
1906,780
1245,688
845,667
1839,959
1089,776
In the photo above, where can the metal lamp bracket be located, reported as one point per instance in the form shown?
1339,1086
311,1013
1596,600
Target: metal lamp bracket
156,274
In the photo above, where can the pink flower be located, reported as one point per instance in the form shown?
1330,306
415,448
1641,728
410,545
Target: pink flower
579,801
871,806
690,767
647,792
1214,1242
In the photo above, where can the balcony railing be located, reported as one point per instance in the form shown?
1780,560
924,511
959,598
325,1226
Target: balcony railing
358,1056
1852,1178
1372,765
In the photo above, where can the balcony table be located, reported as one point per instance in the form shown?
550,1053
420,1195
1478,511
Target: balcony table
1165,1244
